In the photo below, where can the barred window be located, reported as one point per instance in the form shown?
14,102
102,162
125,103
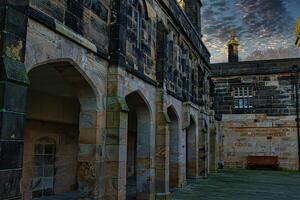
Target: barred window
243,97
43,168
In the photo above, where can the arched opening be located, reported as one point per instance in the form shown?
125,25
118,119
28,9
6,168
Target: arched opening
57,96
138,148
191,149
174,148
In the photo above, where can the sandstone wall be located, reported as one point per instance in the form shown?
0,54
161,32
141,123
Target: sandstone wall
259,135
268,127
93,72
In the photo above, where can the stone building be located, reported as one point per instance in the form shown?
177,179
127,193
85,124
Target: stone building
256,100
106,99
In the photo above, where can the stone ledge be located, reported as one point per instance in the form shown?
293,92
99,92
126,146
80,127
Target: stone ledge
55,25
261,67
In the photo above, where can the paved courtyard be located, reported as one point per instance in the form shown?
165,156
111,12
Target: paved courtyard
243,185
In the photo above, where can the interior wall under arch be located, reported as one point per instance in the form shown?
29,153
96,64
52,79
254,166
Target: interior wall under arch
191,149
139,163
61,105
174,152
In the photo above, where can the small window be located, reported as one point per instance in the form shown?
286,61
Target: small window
243,97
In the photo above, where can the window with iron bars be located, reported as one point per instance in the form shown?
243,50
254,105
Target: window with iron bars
243,97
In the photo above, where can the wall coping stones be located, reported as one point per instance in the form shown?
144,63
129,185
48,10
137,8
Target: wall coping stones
260,67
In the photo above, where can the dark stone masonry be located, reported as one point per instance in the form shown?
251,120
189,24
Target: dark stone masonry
117,99
103,99
257,102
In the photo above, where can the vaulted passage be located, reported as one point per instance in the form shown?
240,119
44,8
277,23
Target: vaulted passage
174,148
52,134
138,148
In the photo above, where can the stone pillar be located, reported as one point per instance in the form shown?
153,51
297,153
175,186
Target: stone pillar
116,109
13,91
212,147
90,162
206,152
202,148
162,148
115,150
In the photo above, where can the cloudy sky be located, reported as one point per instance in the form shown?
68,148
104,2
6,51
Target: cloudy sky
260,25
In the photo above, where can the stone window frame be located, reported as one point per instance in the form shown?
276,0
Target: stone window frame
243,97
140,16
139,26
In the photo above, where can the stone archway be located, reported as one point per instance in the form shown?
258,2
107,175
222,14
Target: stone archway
139,153
191,149
62,106
174,152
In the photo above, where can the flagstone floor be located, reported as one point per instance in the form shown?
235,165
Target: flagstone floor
242,185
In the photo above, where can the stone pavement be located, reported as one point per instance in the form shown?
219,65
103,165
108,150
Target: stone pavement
243,185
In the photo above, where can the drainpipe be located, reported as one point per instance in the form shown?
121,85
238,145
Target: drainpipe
296,70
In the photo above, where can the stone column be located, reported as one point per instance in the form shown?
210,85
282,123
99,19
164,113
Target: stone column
116,109
162,148
206,152
90,160
13,91
115,150
202,148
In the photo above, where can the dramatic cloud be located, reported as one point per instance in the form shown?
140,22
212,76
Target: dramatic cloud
260,25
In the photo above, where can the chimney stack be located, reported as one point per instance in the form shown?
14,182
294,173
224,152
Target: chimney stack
298,33
233,49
